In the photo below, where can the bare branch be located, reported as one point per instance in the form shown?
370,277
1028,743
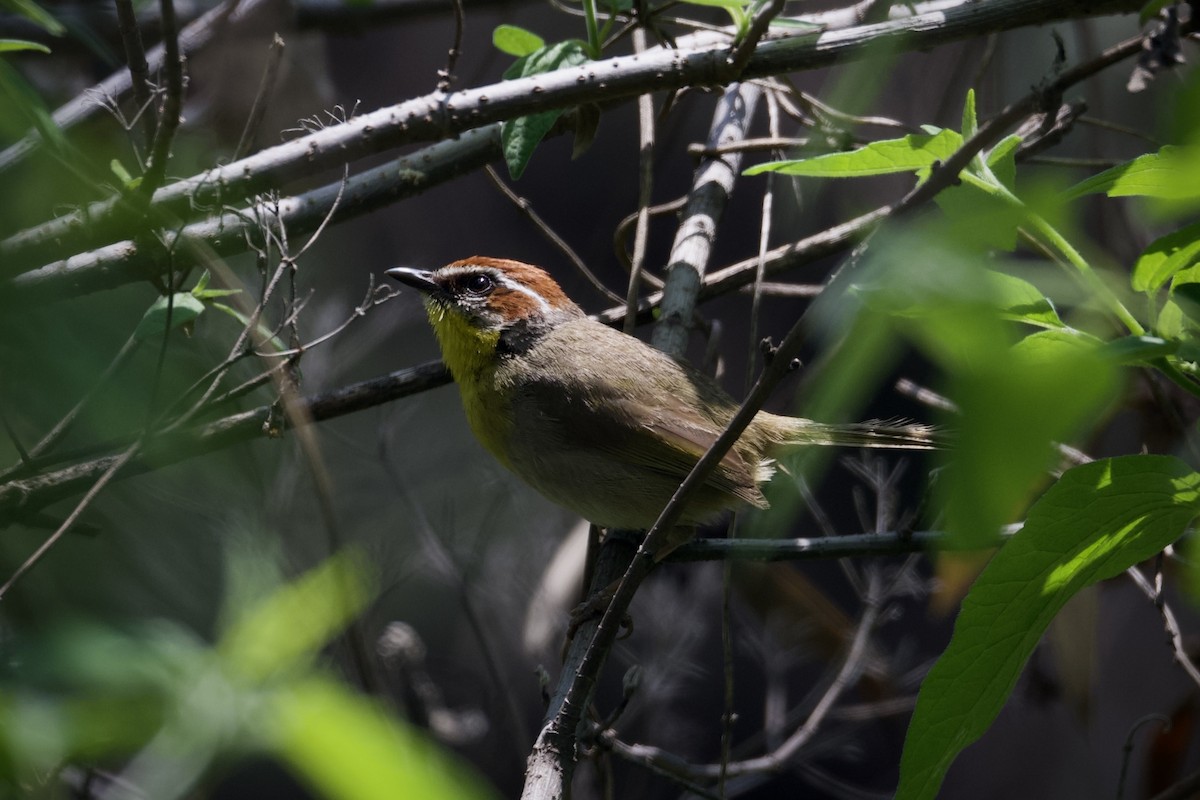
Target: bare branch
641,234
135,59
192,38
436,116
228,233
22,497
712,185
266,87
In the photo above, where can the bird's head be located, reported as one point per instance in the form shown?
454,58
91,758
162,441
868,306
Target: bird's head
481,306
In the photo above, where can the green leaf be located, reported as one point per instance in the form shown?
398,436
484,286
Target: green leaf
983,218
1015,403
127,180
587,122
1166,256
569,53
516,41
263,331
16,95
288,628
1019,300
36,14
801,26
1187,297
520,137
209,294
1002,160
1010,297
14,45
184,309
1138,349
1173,173
1098,520
345,748
908,154
970,125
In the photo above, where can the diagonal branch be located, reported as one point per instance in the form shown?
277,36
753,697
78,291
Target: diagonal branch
228,233
436,116
18,498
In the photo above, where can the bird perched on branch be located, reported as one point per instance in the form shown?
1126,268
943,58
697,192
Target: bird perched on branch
597,420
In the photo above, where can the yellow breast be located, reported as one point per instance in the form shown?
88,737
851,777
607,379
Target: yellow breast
470,354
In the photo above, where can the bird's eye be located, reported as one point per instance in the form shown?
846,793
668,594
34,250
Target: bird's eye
479,283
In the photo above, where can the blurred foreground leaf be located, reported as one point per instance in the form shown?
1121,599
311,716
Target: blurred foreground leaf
1098,520
348,750
1173,173
287,628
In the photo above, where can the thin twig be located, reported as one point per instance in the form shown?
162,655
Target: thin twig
740,55
197,35
697,150
135,60
778,758
1170,624
433,116
1127,749
546,230
109,473
28,495
266,87
891,542
641,235
446,76
168,121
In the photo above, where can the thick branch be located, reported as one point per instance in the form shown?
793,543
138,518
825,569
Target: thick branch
227,234
437,116
712,186
195,36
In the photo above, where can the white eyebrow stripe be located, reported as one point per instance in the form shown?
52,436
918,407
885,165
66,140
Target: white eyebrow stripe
501,279
525,290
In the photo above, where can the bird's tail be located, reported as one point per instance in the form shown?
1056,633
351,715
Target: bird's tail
891,434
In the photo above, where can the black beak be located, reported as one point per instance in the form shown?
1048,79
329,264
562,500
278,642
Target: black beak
419,279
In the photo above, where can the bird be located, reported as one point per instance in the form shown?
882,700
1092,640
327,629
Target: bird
595,419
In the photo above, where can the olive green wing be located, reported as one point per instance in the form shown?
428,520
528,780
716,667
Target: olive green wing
666,440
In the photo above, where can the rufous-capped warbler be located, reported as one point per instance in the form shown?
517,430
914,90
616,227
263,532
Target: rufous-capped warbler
594,419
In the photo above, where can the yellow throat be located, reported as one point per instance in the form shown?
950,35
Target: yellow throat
466,348
470,353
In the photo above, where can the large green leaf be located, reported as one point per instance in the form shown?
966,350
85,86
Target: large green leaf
1015,403
1166,256
344,747
1095,522
1173,173
911,153
286,629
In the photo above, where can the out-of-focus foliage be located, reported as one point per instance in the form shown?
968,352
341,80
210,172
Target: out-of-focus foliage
163,708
